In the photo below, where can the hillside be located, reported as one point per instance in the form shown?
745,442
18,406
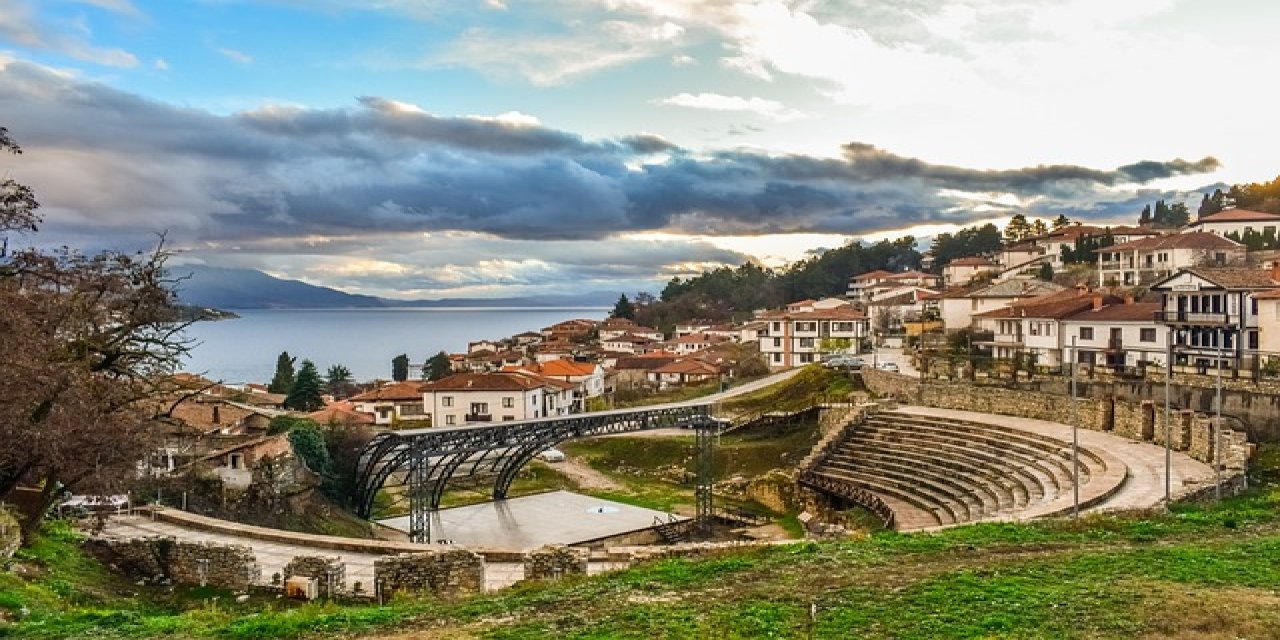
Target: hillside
223,288
1200,571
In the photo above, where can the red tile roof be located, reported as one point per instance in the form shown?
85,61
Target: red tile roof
689,367
838,313
566,368
1192,240
342,413
407,390
874,275
486,382
910,274
1238,215
1133,312
972,261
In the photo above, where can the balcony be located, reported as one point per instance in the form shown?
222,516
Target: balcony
1220,319
1115,345
478,417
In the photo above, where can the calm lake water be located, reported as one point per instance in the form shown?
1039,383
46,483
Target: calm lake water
365,340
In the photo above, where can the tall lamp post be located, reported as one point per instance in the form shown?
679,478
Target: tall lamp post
1075,437
1168,429
1217,424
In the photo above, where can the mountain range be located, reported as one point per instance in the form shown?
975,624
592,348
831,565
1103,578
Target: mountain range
225,288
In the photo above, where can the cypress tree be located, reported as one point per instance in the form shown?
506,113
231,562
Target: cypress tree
624,308
400,368
282,381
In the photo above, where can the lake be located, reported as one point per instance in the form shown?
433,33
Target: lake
364,340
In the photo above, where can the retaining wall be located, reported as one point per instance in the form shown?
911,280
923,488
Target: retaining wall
164,559
329,572
554,562
443,573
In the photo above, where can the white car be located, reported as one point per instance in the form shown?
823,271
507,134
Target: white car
551,455
889,366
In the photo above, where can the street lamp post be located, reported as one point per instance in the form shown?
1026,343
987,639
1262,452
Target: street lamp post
1075,437
1168,430
1217,425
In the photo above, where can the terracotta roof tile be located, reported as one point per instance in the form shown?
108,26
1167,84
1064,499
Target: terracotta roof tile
1238,215
1192,240
1134,312
485,382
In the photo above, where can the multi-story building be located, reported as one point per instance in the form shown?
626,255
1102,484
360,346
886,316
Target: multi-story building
1117,335
488,397
1030,327
959,306
962,271
871,284
1144,261
1214,314
392,403
795,338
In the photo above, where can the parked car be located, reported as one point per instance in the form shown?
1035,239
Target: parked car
844,362
889,366
551,455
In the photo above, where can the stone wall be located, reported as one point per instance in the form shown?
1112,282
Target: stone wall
10,534
166,560
445,573
555,562
330,573
776,491
683,550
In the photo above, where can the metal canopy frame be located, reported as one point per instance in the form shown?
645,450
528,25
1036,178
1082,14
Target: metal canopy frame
425,460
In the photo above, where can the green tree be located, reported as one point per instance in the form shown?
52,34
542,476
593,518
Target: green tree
437,366
1017,228
309,445
1178,215
1061,221
1144,218
400,368
286,423
305,395
1039,228
623,308
970,241
339,381
1046,272
282,381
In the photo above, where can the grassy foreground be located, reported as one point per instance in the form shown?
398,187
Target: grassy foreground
1199,571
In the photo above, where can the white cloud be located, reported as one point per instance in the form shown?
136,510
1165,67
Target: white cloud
20,24
717,102
238,57
161,64
682,60
122,7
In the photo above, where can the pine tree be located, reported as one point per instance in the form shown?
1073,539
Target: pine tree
400,368
1046,272
1160,215
1144,218
282,381
305,395
1061,221
1017,229
338,380
1039,228
1178,215
624,308
437,367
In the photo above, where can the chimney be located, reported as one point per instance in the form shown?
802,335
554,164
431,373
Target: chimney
1097,302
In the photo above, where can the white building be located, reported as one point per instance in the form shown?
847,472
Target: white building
1144,261
962,271
1030,327
1117,336
495,397
958,307
1237,220
392,403
1214,312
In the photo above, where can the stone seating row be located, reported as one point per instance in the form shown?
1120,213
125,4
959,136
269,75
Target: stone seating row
937,471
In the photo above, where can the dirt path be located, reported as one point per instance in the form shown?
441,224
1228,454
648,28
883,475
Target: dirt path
586,477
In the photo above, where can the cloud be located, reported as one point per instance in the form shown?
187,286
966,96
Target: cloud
387,180
238,57
717,102
20,25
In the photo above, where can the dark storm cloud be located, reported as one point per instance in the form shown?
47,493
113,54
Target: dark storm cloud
103,158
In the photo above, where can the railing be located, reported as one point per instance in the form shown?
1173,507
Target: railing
1189,317
852,492
478,417
1115,344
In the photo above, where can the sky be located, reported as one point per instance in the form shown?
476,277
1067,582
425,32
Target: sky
428,149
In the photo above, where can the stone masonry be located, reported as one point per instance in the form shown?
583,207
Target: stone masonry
554,562
160,559
329,572
445,573
10,534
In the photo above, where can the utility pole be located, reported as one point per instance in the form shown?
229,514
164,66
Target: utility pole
1168,429
1075,437
1217,425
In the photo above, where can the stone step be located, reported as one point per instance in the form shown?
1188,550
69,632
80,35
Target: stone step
974,505
949,509
992,496
1027,436
1027,483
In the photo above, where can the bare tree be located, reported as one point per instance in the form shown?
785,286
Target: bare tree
89,344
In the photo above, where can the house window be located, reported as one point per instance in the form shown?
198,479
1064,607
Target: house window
806,357
806,326
451,419
508,402
1035,328
1086,333
1220,258
236,460
777,357
446,401
508,418
777,326
480,408
1146,335
806,343
777,342
1253,339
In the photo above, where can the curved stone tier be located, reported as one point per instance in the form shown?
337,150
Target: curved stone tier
934,471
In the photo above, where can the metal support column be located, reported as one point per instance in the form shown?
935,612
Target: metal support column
706,435
419,495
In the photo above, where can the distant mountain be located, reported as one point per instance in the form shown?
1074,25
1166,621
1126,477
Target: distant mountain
223,288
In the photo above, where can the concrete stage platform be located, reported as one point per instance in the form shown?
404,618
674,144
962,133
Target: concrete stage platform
529,522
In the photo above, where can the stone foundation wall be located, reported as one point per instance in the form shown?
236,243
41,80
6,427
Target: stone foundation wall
445,573
330,572
164,559
554,562
683,550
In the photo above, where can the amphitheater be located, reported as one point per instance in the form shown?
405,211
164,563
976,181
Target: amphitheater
921,468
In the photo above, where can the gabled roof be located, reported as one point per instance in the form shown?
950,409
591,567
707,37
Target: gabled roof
910,274
342,413
1015,288
873,275
838,313
698,338
689,367
1238,215
1132,312
407,390
1191,240
647,362
1236,278
566,368
972,261
515,381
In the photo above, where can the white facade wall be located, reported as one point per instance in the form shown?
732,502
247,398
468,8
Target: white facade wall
1140,340
1223,228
